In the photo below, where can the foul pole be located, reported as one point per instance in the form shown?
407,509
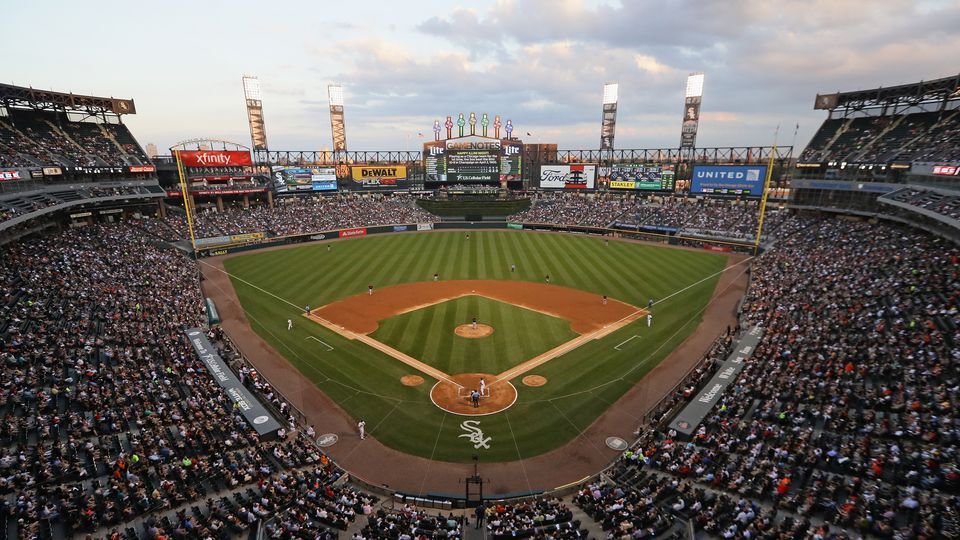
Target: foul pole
186,202
763,199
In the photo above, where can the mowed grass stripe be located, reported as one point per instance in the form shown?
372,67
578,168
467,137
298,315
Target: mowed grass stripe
632,272
519,334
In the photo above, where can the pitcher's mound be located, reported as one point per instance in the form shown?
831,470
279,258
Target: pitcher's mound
534,380
467,330
411,380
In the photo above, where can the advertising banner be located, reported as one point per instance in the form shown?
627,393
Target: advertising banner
424,226
511,161
215,158
142,168
946,170
52,171
9,175
691,118
517,226
252,410
689,418
348,233
641,176
568,176
304,178
381,176
729,180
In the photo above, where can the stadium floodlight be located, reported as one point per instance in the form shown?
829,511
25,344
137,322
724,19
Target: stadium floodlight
608,122
610,93
691,110
694,85
251,87
337,126
335,93
258,129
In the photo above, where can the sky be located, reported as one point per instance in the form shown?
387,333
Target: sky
540,63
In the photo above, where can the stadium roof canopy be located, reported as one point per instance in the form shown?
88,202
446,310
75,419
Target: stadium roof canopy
936,93
23,97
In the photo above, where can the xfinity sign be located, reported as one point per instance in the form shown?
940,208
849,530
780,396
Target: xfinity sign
729,180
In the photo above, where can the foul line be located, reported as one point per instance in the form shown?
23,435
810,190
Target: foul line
329,348
624,342
518,370
407,359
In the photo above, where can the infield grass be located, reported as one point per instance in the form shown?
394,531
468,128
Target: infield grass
581,384
427,334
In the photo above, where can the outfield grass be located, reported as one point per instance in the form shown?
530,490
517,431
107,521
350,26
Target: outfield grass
582,383
427,334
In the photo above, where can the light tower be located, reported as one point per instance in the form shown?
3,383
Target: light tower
258,132
691,110
335,95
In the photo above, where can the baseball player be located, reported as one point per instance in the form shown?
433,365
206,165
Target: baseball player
513,268
474,323
328,248
649,319
468,236
650,303
483,387
306,309
370,290
548,278
604,299
289,325
362,428
436,276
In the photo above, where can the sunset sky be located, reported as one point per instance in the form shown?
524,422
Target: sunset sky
541,63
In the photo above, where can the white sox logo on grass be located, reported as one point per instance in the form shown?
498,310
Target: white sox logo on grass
474,434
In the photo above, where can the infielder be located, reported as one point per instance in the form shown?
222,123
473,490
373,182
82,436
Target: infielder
604,299
370,290
362,428
483,386
289,325
436,276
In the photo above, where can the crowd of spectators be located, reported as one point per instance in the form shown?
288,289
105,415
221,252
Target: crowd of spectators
411,522
542,516
295,216
922,136
109,416
843,420
43,138
573,209
945,204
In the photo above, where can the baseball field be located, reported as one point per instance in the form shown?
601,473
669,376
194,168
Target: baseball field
407,358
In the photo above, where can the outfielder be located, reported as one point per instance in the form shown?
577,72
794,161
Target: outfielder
289,325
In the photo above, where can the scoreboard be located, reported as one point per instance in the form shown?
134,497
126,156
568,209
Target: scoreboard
469,166
472,160
649,176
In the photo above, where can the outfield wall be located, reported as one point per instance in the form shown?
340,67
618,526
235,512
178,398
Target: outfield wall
721,246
